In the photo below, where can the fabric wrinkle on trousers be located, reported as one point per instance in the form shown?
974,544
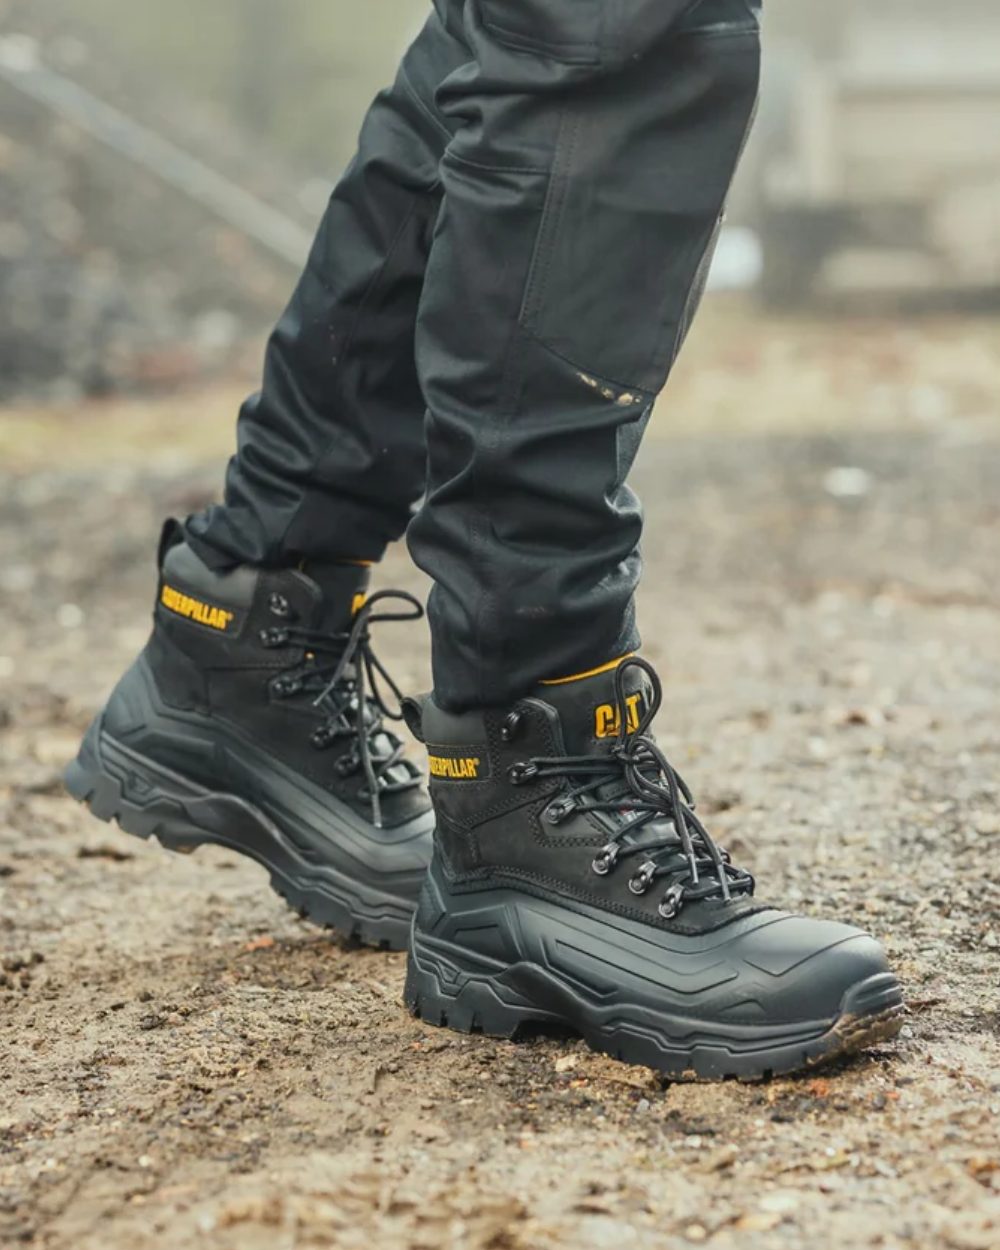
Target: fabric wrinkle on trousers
519,247
331,455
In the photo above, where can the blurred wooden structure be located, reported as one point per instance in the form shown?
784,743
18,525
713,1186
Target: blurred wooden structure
878,161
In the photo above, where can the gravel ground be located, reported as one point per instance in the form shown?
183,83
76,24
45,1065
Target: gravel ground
184,1064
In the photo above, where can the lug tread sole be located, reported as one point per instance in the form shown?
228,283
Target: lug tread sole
166,819
872,1012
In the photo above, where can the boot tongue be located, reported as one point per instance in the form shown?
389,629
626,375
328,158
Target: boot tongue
344,588
589,711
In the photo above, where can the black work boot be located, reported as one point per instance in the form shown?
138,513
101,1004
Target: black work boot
254,718
573,885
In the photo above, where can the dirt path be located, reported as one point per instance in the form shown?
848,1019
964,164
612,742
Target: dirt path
184,1064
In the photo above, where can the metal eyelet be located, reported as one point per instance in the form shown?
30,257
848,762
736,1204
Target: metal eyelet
510,727
558,811
273,637
322,737
518,774
643,878
346,765
605,859
672,902
285,687
279,605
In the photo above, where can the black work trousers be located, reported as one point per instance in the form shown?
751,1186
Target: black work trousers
497,292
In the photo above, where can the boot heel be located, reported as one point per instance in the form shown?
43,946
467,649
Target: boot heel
148,812
148,800
456,990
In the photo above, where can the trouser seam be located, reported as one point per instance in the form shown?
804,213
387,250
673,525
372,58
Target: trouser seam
558,189
451,158
566,138
435,121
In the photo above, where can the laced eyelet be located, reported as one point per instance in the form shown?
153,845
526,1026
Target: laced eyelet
346,765
279,605
605,859
672,902
558,811
518,774
284,687
643,878
510,727
273,637
322,737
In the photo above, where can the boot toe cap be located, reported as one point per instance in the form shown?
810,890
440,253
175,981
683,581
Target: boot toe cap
805,969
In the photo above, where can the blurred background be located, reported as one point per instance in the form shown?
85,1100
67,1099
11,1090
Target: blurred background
186,1063
161,170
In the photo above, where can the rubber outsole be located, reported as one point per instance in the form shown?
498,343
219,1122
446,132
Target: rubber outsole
150,801
870,1012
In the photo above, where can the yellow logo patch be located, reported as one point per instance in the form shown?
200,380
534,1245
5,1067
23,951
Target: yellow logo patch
358,603
194,610
607,717
464,768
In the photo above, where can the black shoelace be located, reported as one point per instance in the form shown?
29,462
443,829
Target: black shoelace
352,685
635,780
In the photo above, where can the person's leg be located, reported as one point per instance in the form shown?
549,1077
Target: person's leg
331,450
594,148
572,881
250,718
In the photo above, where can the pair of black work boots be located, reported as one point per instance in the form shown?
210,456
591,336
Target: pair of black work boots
556,874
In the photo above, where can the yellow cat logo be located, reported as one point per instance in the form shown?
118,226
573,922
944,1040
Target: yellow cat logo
607,717
195,610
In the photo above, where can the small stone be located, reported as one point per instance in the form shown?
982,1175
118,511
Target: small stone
758,1222
847,482
69,616
781,1201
